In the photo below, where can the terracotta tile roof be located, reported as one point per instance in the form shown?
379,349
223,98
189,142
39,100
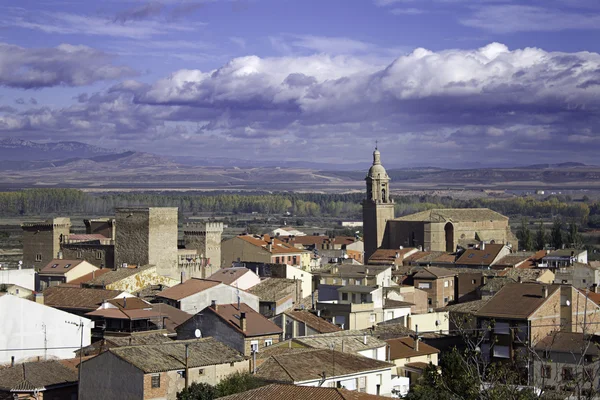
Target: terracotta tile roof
434,272
446,258
116,313
417,365
527,275
256,324
454,215
310,365
351,341
77,298
280,392
569,342
354,271
173,317
187,288
133,339
390,256
317,240
515,259
466,307
417,256
87,277
228,275
388,303
87,237
493,285
517,301
171,356
480,257
389,330
36,375
278,247
274,289
115,275
314,322
59,267
404,348
593,296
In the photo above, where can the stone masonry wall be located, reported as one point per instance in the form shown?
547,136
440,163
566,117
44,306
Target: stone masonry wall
132,236
163,240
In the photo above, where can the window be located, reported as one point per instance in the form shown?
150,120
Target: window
156,381
501,351
363,298
450,298
254,346
471,255
67,265
344,296
429,301
17,291
429,356
446,283
445,300
268,342
373,317
334,281
294,260
546,371
474,282
98,255
359,282
451,283
201,371
501,328
54,265
79,254
424,285
344,282
38,257
276,260
567,374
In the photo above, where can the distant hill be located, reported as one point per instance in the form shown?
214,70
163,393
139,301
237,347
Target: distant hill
13,149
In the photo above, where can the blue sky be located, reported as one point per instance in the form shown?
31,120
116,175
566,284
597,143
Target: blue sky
437,82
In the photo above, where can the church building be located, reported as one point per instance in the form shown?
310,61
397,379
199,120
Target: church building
432,230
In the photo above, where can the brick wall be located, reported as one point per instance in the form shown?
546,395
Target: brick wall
100,255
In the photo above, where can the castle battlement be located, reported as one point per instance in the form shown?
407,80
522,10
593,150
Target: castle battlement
200,228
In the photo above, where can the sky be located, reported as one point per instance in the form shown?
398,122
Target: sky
445,83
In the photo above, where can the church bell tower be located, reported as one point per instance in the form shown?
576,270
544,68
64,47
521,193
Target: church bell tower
378,208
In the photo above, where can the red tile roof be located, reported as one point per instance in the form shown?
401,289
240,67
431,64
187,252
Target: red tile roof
517,300
187,288
87,277
256,324
315,322
405,347
285,392
59,267
229,275
480,257
278,247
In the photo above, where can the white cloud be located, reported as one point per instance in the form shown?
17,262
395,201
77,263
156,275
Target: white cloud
407,11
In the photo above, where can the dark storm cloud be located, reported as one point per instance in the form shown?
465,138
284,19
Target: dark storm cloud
64,65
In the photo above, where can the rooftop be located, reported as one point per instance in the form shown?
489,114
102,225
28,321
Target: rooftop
273,289
256,324
527,275
187,288
77,298
391,256
59,267
280,391
314,322
479,256
129,308
405,348
517,300
171,356
515,259
454,215
354,271
117,274
434,272
348,341
358,289
310,365
496,283
36,375
229,275
569,342
563,253
277,246
314,240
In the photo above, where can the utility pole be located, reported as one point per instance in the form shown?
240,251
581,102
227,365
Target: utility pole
187,369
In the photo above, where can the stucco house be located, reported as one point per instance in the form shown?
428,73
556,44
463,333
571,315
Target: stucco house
194,295
157,371
59,271
238,277
48,332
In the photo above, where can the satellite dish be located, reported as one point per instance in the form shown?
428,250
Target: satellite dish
568,302
197,333
20,262
438,323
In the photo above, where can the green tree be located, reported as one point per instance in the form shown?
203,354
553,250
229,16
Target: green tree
574,238
540,237
238,382
198,391
556,234
524,236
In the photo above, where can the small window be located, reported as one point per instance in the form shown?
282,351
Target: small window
254,346
79,255
38,257
276,260
429,302
446,283
98,255
471,255
156,381
67,265
344,282
231,364
445,300
344,296
373,317
201,371
334,281
359,282
474,282
54,265
567,374
268,342
583,280
17,291
546,371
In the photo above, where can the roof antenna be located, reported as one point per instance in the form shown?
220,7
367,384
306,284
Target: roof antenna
376,143
238,294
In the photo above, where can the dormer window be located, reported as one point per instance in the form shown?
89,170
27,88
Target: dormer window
67,265
54,266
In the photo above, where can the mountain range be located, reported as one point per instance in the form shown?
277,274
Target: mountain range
30,164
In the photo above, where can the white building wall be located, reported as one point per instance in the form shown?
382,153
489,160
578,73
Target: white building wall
392,313
30,325
223,294
430,322
24,277
246,281
373,378
378,353
304,276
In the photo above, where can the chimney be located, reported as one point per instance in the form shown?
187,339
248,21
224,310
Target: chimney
545,291
39,298
519,279
124,302
595,288
397,255
243,321
60,255
484,279
93,274
181,279
213,305
365,340
366,270
12,361
482,246
417,343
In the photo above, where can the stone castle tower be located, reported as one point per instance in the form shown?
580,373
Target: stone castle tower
147,235
41,241
205,237
378,208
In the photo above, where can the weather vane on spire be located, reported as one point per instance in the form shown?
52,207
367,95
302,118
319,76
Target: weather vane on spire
376,143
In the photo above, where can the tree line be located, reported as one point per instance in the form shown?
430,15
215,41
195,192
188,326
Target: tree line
32,202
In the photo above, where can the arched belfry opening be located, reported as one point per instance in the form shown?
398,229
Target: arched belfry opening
449,231
383,198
